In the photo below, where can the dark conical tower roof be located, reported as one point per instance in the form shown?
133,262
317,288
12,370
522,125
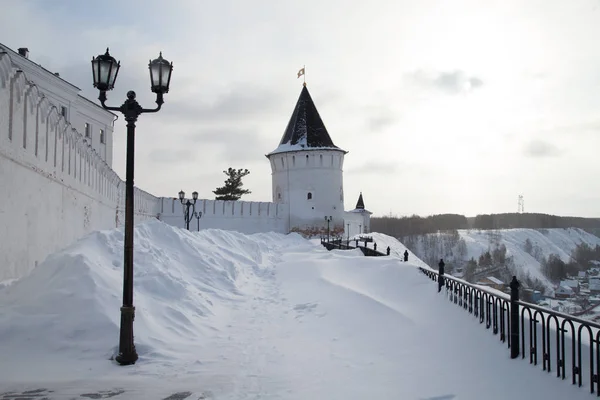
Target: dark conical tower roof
360,204
305,130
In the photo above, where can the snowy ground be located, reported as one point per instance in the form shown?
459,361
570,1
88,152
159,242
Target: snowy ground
221,315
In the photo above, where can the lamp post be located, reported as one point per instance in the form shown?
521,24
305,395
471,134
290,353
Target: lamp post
198,215
328,219
187,216
104,71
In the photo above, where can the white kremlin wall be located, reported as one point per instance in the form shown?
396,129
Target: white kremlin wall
242,216
55,187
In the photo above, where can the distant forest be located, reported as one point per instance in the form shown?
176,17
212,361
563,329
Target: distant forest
415,224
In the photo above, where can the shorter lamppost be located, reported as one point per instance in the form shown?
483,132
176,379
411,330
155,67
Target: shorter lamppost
198,215
328,219
187,216
104,72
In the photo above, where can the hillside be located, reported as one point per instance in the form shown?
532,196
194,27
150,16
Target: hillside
222,315
460,247
417,225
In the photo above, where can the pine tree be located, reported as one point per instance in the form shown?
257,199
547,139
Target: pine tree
233,185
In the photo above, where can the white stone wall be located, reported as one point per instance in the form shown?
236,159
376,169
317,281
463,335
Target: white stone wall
54,187
241,216
297,174
61,93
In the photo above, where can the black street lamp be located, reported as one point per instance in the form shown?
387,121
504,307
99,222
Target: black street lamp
104,70
187,216
328,219
198,215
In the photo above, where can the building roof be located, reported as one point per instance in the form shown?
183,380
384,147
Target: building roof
360,204
569,283
305,130
494,280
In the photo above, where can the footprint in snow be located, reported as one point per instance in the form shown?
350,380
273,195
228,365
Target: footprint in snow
305,308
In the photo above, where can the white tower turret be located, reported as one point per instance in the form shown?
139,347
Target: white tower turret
307,171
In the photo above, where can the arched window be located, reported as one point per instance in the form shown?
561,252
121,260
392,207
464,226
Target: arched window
321,159
309,196
294,161
307,160
282,164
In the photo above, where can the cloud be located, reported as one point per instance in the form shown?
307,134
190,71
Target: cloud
375,167
169,156
540,148
381,119
241,102
231,144
450,82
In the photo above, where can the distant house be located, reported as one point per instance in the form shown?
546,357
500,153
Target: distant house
594,284
531,296
581,275
563,292
492,282
570,283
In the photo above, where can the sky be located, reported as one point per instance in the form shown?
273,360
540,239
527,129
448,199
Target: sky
444,106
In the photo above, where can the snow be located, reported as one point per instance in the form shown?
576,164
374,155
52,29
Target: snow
223,315
300,146
494,280
548,241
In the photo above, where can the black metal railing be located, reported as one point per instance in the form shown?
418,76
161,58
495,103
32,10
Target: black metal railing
564,342
341,244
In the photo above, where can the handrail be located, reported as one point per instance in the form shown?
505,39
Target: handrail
516,321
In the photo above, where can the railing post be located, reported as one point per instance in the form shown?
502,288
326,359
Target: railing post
441,275
514,318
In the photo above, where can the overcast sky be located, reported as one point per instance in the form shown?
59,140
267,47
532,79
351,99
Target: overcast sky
444,106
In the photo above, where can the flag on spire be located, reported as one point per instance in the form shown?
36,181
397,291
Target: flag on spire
301,72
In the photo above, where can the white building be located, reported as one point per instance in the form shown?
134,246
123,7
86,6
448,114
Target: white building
594,284
93,122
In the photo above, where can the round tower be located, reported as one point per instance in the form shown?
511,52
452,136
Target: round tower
307,171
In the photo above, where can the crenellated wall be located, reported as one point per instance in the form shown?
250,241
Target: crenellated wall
241,216
54,187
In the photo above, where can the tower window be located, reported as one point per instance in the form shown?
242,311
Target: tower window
309,196
102,137
88,130
278,196
294,161
282,164
307,159
332,160
321,159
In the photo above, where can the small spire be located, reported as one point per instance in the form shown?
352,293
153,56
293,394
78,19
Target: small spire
360,204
